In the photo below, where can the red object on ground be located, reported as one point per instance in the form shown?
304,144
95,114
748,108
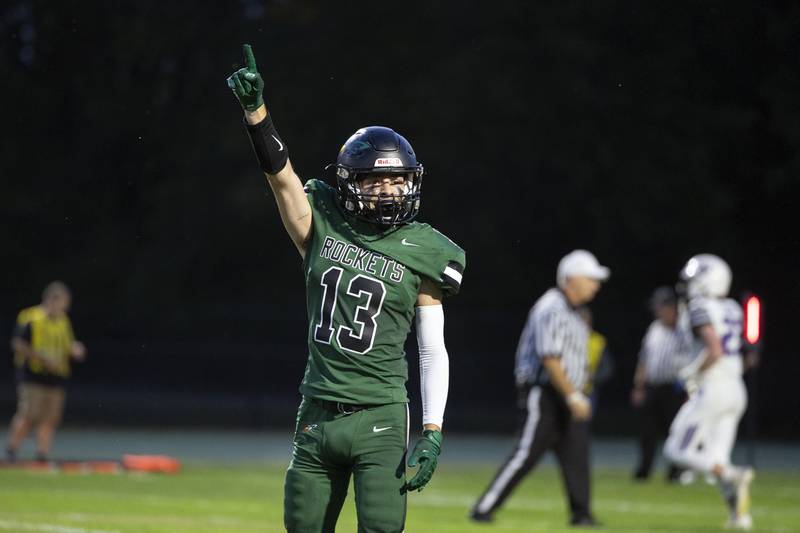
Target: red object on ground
162,464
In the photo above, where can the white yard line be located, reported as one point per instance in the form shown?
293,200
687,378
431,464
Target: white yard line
49,528
620,506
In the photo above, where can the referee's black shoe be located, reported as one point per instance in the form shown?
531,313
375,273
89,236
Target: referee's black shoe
585,521
475,516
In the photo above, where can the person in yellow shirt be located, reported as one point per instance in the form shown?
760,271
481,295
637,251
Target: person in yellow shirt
44,347
600,361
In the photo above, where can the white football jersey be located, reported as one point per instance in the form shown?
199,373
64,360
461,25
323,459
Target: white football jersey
726,317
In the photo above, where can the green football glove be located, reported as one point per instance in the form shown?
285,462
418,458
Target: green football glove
246,83
425,454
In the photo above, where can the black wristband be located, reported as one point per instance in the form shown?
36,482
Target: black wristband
270,150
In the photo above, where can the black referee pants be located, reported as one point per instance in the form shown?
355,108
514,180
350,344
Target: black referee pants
661,404
548,425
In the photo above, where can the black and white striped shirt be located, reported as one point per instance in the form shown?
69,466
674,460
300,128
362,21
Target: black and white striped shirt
664,351
554,329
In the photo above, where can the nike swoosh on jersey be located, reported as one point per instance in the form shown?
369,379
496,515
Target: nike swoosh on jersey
376,429
280,144
406,243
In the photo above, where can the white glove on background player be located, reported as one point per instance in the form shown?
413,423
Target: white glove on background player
691,385
690,374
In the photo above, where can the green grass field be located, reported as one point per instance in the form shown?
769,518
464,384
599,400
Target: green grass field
215,498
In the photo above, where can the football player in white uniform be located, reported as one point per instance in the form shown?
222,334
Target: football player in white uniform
704,430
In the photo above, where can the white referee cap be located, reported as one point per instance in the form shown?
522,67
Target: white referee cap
581,263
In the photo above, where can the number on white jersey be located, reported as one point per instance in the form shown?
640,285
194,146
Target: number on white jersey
725,316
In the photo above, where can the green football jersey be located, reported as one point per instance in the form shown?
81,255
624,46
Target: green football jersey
362,282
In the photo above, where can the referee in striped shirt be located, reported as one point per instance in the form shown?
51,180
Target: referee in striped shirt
551,371
657,391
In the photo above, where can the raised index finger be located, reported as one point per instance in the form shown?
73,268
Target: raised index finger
249,58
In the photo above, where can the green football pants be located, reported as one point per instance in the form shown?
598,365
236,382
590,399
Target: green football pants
328,447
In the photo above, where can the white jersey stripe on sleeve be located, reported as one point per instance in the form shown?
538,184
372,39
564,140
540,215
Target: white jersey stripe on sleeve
453,274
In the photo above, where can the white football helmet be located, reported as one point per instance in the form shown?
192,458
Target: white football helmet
706,275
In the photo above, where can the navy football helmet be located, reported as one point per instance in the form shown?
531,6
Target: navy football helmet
377,150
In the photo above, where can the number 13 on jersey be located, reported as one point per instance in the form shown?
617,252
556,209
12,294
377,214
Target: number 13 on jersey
365,296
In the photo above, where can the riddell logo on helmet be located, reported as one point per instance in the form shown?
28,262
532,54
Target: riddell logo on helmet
388,162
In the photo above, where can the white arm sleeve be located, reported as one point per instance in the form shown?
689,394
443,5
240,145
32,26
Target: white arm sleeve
434,365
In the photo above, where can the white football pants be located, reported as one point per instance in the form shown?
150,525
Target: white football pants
704,430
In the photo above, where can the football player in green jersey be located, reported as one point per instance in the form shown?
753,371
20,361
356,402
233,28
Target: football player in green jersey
370,271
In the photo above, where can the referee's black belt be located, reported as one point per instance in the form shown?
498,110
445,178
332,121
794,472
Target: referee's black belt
339,407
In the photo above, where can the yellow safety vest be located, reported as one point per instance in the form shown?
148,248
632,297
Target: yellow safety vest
596,346
51,337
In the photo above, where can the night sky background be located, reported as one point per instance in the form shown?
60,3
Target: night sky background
643,132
